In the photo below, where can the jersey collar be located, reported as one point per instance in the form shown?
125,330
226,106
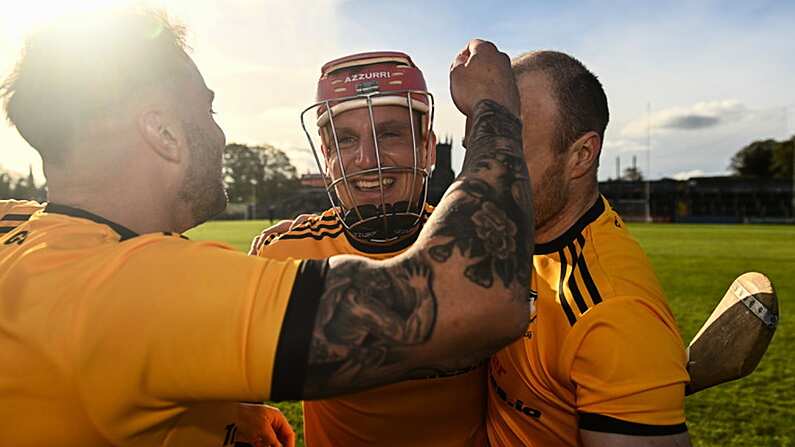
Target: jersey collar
55,208
586,219
392,247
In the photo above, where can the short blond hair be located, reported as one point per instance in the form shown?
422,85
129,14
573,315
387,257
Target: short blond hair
68,74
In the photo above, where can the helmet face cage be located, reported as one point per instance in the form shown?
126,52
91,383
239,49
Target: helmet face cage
383,222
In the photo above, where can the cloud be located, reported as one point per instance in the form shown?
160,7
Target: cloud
691,122
701,115
623,145
686,175
302,159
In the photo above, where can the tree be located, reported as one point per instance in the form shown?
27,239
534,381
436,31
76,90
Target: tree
258,174
764,159
23,188
26,189
6,186
782,158
754,160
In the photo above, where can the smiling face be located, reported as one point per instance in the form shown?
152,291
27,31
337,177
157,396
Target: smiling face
357,153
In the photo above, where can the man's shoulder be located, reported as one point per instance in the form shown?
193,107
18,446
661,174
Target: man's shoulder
610,236
14,212
615,255
304,239
10,204
60,247
599,262
325,221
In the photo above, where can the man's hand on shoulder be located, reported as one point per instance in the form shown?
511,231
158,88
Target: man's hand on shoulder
283,226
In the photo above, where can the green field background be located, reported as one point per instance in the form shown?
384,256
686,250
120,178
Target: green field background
696,264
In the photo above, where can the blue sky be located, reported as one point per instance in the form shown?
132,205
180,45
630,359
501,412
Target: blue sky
716,75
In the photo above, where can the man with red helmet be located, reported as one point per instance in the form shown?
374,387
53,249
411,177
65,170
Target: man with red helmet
374,133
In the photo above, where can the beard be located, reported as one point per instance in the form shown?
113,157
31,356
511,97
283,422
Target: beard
203,189
551,194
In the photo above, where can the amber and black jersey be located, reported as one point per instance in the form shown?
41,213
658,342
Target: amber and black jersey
602,351
442,411
14,213
108,337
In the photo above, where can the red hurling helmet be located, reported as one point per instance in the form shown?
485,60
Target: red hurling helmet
367,81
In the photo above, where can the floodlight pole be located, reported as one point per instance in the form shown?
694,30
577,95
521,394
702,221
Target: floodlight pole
648,162
254,201
792,139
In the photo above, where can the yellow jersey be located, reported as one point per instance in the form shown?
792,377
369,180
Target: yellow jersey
602,351
15,212
109,338
442,411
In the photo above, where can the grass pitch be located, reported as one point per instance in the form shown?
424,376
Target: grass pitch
696,264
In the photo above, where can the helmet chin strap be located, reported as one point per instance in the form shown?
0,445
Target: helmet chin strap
366,222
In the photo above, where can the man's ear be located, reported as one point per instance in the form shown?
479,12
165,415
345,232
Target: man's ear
164,137
584,154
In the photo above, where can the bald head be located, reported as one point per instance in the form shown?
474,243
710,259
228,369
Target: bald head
579,96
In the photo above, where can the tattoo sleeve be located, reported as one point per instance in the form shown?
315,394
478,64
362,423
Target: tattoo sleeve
455,297
368,320
491,224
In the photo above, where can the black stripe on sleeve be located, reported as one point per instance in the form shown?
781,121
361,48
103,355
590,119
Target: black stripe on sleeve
561,295
317,237
17,217
575,291
4,230
606,424
310,227
179,235
292,353
270,238
312,221
586,275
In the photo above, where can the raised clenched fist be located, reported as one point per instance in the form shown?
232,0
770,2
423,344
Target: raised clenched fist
480,71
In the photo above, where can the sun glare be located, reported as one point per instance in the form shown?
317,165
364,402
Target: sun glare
21,19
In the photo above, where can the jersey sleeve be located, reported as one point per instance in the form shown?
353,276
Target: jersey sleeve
628,367
193,321
271,234
15,212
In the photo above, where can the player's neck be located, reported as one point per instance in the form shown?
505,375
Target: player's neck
141,213
576,206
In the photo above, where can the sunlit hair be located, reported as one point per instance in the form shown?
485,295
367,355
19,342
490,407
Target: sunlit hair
581,100
83,67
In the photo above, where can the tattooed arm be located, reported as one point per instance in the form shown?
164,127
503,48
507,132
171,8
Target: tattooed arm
460,293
